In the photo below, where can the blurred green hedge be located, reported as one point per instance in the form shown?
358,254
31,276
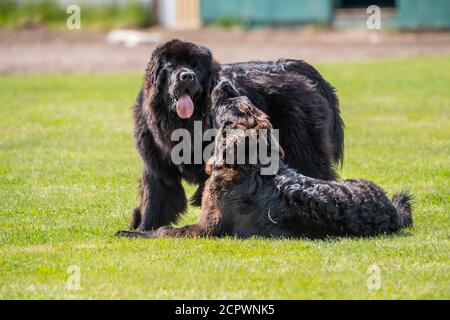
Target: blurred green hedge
94,14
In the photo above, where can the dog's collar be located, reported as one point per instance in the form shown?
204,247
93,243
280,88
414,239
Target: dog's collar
270,218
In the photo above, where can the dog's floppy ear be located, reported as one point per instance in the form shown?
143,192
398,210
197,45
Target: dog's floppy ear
154,67
273,136
234,137
214,76
152,72
210,165
269,138
226,148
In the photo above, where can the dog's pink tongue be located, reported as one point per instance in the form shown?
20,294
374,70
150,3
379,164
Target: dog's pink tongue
185,107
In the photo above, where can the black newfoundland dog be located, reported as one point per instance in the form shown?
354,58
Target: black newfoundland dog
239,201
177,91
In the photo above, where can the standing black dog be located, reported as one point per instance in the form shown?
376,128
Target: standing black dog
176,92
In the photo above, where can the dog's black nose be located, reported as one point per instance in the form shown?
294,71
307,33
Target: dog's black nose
224,85
187,76
228,89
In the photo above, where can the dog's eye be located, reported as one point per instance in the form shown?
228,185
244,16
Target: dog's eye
195,66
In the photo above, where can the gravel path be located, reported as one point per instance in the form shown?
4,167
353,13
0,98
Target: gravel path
50,51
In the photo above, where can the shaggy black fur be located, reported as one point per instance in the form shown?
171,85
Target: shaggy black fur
296,97
239,201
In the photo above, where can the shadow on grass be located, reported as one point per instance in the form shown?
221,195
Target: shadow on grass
329,239
334,239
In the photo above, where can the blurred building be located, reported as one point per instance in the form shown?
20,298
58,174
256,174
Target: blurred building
411,14
180,14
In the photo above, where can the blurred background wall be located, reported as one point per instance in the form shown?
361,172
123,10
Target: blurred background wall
412,14
191,14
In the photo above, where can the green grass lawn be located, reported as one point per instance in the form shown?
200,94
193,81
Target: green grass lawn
68,180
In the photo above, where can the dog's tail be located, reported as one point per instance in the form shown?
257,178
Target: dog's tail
402,202
329,93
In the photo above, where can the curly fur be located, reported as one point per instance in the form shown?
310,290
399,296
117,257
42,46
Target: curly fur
239,201
349,207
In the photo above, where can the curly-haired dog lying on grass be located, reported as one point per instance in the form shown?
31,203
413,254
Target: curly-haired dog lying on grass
239,201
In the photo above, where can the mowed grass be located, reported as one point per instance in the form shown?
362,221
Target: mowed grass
69,172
